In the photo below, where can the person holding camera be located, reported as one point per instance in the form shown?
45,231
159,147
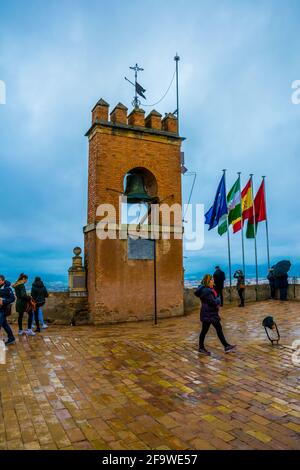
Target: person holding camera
240,285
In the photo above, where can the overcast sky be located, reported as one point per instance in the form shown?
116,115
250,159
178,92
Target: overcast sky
238,62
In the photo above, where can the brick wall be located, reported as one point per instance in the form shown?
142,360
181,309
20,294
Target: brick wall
120,289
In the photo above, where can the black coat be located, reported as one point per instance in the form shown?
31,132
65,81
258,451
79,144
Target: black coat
271,279
209,311
22,297
282,281
39,292
219,278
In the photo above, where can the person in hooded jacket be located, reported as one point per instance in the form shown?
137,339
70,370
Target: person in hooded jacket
209,314
39,294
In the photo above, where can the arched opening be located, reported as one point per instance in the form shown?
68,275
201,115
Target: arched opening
140,189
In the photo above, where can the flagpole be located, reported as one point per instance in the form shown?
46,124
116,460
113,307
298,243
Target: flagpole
242,227
228,242
255,244
267,228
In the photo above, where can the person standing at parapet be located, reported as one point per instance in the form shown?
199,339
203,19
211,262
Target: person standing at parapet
271,279
23,300
219,279
240,285
209,314
6,298
39,294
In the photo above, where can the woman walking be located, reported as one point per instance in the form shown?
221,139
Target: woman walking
22,304
39,294
240,285
209,314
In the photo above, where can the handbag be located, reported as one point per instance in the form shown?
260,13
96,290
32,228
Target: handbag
30,306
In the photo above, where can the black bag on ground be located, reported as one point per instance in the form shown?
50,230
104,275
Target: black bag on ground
271,329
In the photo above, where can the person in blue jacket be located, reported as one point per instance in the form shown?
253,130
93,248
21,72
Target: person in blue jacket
209,314
6,298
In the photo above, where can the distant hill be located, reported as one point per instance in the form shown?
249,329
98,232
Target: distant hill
195,268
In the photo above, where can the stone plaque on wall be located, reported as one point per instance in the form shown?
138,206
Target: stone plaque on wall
140,248
78,282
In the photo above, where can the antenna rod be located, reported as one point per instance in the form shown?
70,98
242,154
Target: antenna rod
177,59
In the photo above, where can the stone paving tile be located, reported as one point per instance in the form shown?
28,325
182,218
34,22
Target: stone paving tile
140,386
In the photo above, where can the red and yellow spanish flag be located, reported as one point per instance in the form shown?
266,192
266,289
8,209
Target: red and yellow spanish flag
247,207
247,201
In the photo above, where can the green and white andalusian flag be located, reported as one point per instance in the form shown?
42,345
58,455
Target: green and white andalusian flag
234,208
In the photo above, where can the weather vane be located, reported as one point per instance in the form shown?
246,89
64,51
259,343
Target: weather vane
139,90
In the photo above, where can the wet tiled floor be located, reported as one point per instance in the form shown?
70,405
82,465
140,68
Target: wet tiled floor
140,386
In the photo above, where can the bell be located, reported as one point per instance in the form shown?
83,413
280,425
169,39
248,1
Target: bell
135,189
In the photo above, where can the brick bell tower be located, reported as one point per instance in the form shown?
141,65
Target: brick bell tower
126,278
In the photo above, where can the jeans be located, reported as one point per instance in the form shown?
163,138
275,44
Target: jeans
4,324
20,320
41,318
219,330
36,316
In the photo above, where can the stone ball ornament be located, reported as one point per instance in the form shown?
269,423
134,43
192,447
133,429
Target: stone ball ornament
77,251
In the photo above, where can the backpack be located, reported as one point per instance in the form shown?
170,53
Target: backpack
8,308
30,306
268,322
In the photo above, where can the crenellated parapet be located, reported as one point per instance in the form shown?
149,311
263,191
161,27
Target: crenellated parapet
136,118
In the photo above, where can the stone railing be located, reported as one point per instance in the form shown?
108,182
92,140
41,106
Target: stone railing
191,302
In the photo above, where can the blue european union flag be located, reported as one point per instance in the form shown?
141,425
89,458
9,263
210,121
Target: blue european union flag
219,207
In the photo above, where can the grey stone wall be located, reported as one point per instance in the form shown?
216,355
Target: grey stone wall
191,302
61,309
